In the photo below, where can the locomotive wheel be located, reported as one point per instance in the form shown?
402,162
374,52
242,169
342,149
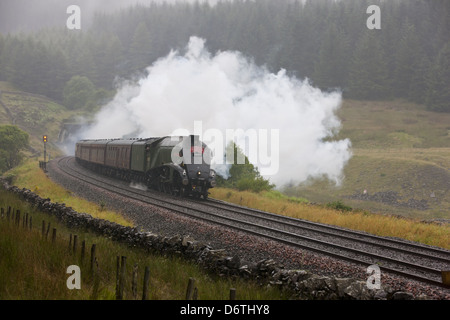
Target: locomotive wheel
177,187
182,192
169,188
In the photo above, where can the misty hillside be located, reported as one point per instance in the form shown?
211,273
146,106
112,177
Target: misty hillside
35,114
325,41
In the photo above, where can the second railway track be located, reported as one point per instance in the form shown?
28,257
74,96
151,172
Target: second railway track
411,260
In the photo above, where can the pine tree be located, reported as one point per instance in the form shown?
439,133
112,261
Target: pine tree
368,72
418,82
82,62
108,55
58,73
407,60
330,70
141,48
438,95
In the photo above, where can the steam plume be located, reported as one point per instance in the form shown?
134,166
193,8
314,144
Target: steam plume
228,91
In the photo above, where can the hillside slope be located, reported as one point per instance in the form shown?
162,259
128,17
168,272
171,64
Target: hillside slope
401,159
34,114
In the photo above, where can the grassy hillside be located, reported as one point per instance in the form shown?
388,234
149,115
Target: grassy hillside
34,114
401,158
393,124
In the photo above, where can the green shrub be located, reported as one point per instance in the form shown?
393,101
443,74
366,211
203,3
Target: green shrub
338,205
254,184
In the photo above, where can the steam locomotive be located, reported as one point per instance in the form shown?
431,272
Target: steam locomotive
178,165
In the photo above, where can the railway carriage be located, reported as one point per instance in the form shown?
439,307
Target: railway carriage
175,165
92,151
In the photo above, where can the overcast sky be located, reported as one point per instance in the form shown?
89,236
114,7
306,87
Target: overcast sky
29,15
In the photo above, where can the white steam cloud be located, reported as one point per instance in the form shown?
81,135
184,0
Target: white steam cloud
228,91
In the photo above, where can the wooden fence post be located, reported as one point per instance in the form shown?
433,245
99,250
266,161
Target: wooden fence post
93,248
54,235
117,275
48,229
96,280
122,275
146,281
190,288
83,249
75,243
121,280
134,281
232,294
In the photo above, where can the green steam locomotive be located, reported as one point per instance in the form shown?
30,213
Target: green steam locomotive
178,165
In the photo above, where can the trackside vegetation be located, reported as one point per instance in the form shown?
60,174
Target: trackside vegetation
13,141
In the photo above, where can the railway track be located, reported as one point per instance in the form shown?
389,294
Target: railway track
411,260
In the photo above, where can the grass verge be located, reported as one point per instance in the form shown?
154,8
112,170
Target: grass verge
31,177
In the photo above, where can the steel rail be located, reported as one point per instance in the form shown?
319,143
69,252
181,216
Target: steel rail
338,232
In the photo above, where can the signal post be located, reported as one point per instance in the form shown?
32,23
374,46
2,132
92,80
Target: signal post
43,164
